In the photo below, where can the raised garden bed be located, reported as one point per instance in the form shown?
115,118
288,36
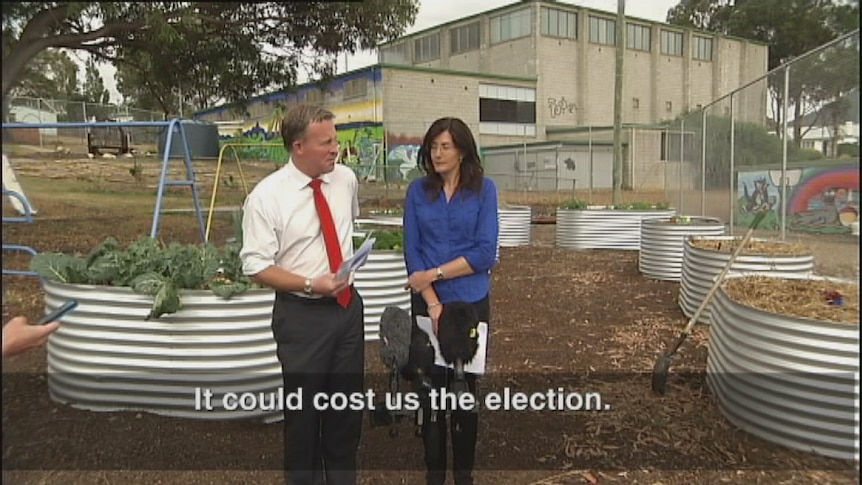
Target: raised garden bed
783,360
662,243
704,258
381,281
514,223
603,227
107,356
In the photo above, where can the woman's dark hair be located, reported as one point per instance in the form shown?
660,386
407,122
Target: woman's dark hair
471,168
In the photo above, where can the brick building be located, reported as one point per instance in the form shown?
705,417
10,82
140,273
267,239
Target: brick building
529,78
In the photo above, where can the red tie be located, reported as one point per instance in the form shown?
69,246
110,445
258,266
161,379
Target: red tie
330,237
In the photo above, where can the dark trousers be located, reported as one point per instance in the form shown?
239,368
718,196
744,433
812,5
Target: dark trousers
321,347
464,425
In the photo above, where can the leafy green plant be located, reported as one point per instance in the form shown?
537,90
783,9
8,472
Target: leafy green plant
574,204
151,268
386,240
641,206
396,211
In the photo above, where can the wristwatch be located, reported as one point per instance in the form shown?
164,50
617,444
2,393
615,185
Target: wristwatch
307,289
439,273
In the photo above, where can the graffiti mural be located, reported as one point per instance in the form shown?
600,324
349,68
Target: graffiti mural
402,153
362,148
819,200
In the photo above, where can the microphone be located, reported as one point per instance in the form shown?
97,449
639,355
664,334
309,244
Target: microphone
395,334
395,329
458,334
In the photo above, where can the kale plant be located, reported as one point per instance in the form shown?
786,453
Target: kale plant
151,268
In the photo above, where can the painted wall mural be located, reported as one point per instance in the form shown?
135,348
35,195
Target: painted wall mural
821,200
401,156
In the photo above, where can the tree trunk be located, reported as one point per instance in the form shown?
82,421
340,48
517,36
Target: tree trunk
797,120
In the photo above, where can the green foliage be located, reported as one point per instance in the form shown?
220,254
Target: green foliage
172,54
574,204
790,29
149,268
637,206
386,240
848,150
52,74
754,144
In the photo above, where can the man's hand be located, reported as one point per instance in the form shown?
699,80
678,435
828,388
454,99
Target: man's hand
19,336
329,285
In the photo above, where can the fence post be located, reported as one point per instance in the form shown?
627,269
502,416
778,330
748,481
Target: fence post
681,157
703,163
590,145
784,138
732,163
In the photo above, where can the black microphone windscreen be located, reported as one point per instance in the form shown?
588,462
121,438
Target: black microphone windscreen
458,332
395,327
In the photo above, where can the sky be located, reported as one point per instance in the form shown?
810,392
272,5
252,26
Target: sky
436,12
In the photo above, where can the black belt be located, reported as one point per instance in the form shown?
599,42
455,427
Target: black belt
322,300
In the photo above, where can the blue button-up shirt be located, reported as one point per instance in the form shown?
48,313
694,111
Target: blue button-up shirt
436,232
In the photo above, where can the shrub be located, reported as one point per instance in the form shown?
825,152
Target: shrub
151,268
574,204
386,239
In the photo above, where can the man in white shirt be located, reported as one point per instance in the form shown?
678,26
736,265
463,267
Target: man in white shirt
317,318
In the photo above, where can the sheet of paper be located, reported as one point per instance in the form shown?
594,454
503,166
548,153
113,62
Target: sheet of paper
477,365
359,258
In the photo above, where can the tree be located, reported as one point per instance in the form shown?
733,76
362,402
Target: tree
52,74
94,86
790,28
228,51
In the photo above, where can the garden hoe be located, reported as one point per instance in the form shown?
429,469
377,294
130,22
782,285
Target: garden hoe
662,365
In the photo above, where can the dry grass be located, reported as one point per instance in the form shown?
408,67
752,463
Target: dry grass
758,248
799,298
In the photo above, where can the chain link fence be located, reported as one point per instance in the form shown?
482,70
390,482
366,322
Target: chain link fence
787,143
76,140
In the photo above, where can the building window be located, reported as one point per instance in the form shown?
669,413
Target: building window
314,96
507,110
463,39
355,88
701,48
426,48
512,25
394,54
636,103
668,106
559,23
603,31
638,37
671,43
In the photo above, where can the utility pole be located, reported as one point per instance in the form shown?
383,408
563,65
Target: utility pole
618,102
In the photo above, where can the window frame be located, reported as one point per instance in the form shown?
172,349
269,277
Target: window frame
632,30
426,42
702,48
571,23
666,36
603,25
455,37
501,32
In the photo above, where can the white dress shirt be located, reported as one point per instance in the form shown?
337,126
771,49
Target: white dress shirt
280,223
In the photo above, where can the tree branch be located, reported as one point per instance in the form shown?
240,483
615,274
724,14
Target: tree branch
42,21
76,41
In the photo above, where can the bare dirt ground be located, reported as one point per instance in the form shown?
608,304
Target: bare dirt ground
585,321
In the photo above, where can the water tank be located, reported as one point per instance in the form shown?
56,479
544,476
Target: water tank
201,136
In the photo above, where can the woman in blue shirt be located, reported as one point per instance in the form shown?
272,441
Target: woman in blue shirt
450,242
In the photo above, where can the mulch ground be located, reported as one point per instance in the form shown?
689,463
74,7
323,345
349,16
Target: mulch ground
566,321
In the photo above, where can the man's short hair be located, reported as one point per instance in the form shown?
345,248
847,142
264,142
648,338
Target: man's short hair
295,123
